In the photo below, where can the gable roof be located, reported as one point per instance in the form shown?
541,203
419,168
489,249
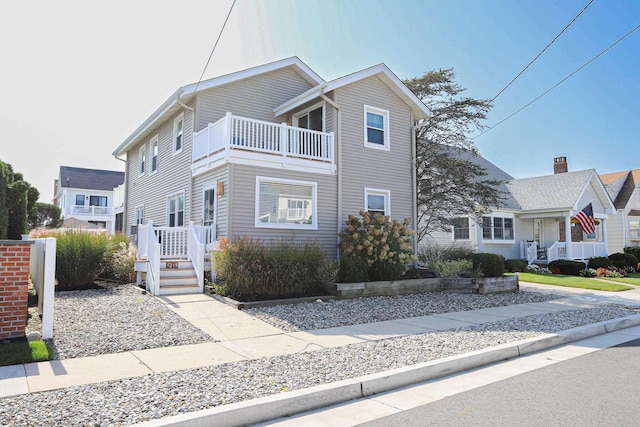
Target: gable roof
624,191
186,93
89,179
420,111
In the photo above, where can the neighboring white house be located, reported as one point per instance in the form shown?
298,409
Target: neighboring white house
623,227
535,223
270,152
86,196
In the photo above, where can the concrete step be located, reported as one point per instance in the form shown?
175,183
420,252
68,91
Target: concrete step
182,272
179,289
178,281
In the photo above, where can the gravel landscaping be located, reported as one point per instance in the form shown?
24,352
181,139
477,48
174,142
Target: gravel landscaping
114,319
133,400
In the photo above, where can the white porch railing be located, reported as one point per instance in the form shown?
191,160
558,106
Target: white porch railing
149,248
91,210
557,251
240,133
195,252
586,250
529,251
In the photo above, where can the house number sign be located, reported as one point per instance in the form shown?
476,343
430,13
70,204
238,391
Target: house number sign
172,264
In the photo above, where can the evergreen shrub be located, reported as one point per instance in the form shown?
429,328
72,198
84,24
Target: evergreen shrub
567,266
491,265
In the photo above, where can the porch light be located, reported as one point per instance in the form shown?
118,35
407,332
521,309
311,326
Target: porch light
220,189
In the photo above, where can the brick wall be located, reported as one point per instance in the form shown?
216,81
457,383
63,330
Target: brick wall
14,286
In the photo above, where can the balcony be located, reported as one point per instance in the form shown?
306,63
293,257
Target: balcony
234,139
91,210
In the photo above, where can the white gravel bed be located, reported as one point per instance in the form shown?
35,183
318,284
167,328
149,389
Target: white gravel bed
116,318
334,313
134,400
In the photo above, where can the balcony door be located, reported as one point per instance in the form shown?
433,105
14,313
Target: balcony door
311,119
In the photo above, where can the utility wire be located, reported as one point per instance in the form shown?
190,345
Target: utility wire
542,51
560,82
215,45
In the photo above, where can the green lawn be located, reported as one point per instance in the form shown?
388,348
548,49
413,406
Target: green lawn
18,352
632,279
575,282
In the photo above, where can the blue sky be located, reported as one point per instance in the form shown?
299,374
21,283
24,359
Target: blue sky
78,77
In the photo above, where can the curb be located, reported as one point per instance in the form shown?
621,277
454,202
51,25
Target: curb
294,402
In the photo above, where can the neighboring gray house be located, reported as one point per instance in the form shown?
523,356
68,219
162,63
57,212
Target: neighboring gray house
623,228
86,196
269,152
535,222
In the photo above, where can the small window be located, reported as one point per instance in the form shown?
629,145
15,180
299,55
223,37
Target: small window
376,128
284,203
142,158
208,216
79,199
154,154
178,130
634,229
176,210
460,228
377,201
140,215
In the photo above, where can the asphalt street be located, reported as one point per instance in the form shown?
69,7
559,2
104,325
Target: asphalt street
598,389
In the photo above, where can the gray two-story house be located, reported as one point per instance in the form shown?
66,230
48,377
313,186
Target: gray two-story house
268,152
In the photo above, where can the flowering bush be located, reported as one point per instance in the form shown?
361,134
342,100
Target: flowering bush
385,245
612,272
536,269
588,272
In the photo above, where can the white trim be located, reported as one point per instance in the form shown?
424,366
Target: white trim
152,142
502,215
378,192
322,105
314,204
142,159
176,120
386,146
184,201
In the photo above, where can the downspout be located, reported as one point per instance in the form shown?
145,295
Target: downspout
338,153
126,194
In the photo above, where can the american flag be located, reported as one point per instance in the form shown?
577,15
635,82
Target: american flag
586,220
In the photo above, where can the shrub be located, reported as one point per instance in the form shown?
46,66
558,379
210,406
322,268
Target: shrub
385,245
455,268
353,269
589,272
491,265
566,266
624,260
117,244
633,250
122,263
514,265
251,268
79,258
536,269
433,252
606,272
598,262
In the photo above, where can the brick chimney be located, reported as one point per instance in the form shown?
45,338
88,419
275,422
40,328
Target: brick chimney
560,165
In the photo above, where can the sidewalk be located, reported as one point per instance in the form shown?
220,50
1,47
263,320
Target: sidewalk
243,337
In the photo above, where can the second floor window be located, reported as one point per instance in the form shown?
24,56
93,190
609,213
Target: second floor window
176,211
154,154
376,128
142,158
79,199
178,130
634,229
98,201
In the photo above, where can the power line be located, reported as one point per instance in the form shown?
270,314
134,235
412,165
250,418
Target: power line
560,82
215,45
542,51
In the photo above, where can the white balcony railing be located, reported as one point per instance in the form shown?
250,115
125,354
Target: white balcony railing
240,133
91,210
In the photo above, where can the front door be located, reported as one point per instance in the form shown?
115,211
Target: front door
538,232
209,217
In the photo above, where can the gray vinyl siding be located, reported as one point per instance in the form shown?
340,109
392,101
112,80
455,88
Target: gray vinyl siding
173,174
242,210
254,97
366,167
208,180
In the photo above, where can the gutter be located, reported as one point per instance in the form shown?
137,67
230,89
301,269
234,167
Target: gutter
338,153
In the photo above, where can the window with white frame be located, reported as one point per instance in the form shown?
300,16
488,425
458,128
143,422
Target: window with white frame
142,157
209,210
460,228
285,203
497,228
376,128
312,118
175,210
154,154
377,201
140,214
178,130
634,229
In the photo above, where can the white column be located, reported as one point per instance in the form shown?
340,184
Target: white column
567,236
603,227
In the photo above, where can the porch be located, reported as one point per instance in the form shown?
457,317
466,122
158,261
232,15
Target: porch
531,251
235,139
173,258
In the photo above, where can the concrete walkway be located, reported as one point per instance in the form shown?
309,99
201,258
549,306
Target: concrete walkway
243,337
